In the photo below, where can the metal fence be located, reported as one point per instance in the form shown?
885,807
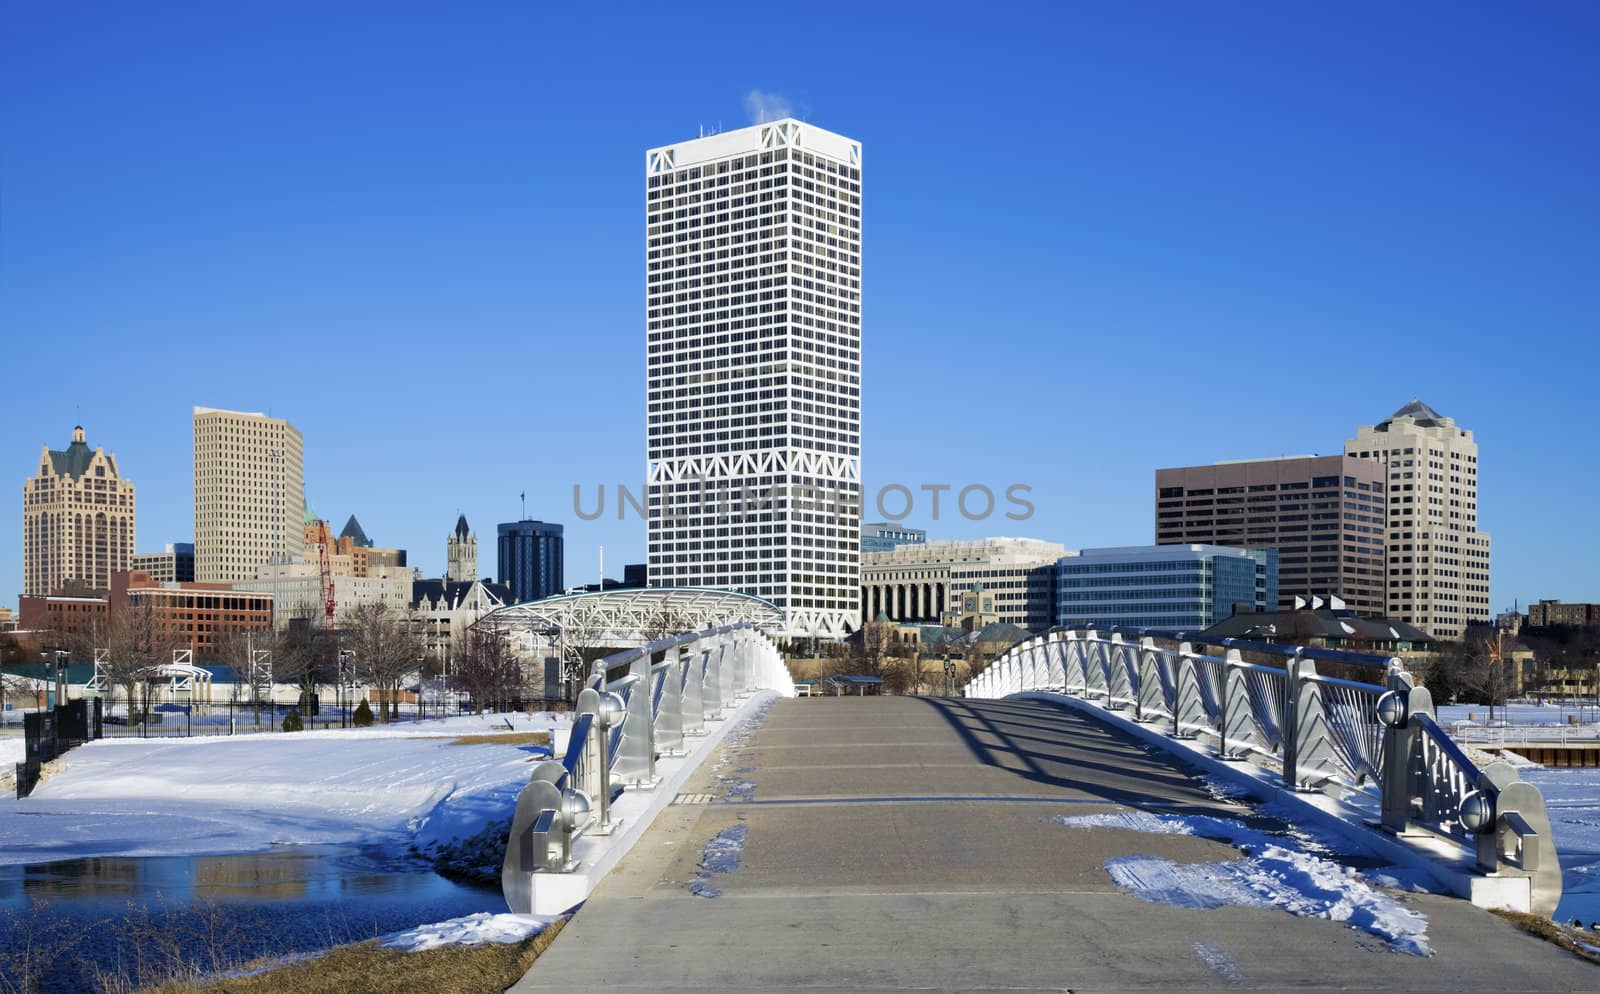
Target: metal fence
637,705
47,733
1323,732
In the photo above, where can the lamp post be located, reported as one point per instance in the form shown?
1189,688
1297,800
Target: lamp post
59,657
344,713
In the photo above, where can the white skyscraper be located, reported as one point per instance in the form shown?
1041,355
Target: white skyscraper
249,493
754,289
1436,558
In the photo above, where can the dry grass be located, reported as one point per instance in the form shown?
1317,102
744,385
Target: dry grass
503,738
369,969
1550,932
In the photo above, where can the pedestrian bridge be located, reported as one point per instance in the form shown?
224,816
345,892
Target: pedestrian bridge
986,842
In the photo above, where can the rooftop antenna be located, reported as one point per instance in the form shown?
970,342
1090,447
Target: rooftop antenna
524,505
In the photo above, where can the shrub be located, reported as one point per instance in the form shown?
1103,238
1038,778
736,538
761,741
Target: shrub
292,723
363,716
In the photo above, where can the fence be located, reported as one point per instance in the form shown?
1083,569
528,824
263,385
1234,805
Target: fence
49,733
1323,732
664,696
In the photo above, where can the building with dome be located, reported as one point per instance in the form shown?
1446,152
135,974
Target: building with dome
1436,558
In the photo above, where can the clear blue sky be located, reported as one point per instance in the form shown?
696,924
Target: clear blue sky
1098,239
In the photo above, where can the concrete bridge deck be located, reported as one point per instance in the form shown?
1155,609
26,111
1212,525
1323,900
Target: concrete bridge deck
904,844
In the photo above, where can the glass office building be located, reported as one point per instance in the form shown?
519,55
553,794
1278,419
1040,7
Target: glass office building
531,559
1186,587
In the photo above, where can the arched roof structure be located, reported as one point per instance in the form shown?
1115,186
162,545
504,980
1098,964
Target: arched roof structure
631,617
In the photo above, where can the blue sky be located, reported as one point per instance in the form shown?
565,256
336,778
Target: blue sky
1099,239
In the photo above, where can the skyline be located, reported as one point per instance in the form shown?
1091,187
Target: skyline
394,262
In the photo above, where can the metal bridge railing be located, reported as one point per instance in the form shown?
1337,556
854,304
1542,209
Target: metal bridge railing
670,690
1324,732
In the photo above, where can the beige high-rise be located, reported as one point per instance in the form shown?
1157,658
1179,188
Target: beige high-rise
1437,559
249,493
77,520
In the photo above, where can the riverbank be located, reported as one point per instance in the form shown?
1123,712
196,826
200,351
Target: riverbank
383,967
406,787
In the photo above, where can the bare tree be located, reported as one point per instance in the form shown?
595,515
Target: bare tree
487,668
665,623
385,649
135,643
305,653
241,649
584,645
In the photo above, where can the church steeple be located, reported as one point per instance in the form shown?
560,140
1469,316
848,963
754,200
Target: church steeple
461,553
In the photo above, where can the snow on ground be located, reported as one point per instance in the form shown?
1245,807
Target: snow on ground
11,749
1520,713
1271,876
470,930
405,785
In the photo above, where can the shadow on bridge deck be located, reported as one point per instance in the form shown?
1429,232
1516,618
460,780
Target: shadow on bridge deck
907,844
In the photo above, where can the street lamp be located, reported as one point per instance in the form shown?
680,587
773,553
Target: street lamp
344,713
59,695
421,657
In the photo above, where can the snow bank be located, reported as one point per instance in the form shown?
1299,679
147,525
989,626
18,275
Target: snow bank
405,785
1301,883
11,749
470,930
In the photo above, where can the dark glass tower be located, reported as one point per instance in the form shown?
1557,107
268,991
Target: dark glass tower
531,559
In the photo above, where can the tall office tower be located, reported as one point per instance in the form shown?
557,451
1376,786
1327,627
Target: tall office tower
1438,560
754,369
249,493
1324,515
77,520
461,553
531,558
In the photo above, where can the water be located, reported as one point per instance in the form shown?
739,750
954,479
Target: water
128,915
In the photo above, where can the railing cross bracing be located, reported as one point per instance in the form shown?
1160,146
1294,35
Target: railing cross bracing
1324,732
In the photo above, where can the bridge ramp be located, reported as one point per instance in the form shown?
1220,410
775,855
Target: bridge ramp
894,844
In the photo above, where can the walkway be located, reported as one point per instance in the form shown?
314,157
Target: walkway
904,844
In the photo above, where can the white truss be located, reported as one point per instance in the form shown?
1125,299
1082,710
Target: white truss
784,134
765,462
629,618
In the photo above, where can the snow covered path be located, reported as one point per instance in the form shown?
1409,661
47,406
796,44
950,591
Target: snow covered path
403,785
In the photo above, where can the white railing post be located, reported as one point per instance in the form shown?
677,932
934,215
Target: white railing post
669,702
1308,758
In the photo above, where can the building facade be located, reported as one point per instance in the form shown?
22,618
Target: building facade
754,369
198,617
175,565
531,558
249,493
443,610
1437,559
1547,613
1324,515
881,536
77,519
195,616
297,587
461,553
923,583
1186,587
